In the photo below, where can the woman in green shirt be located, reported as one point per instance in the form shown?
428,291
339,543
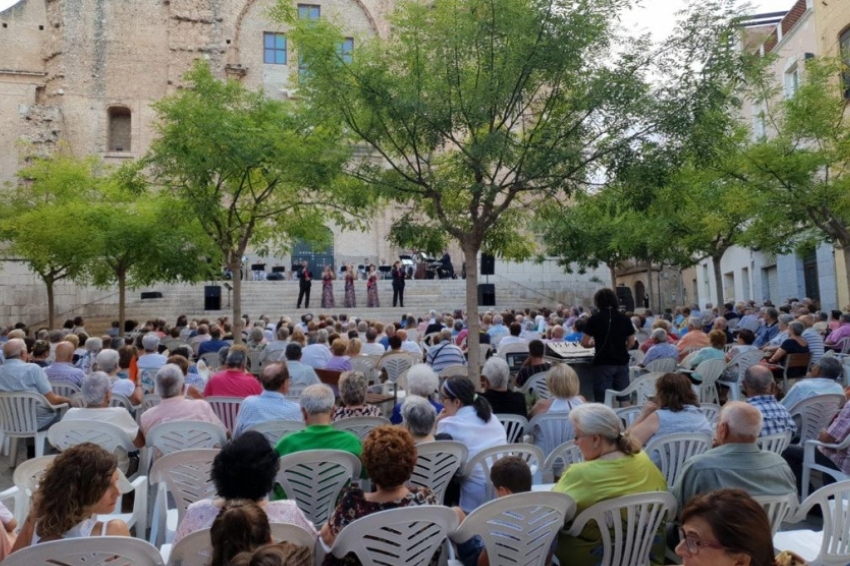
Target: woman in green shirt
614,466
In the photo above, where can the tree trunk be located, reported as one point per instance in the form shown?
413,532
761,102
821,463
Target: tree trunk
122,300
470,262
234,264
718,278
613,268
51,308
649,285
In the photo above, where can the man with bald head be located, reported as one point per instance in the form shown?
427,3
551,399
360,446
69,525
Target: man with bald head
63,368
758,386
18,375
736,460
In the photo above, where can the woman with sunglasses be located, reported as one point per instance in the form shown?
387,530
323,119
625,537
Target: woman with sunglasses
725,528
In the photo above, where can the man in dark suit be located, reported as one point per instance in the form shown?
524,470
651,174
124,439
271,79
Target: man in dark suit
305,277
398,283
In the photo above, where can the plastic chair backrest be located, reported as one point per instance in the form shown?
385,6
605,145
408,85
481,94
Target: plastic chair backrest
255,362
537,384
174,436
360,426
64,389
277,429
710,371
186,475
315,478
628,525
816,413
395,365
711,411
775,442
643,388
662,364
65,434
559,459
834,502
518,529
453,370
88,551
745,361
551,430
516,426
18,412
675,449
212,360
628,414
226,408
147,379
485,459
121,401
409,535
436,464
777,507
511,348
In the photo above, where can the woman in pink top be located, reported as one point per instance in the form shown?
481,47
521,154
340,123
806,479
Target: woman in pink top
244,469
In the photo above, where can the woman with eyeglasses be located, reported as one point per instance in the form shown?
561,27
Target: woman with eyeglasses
725,528
468,418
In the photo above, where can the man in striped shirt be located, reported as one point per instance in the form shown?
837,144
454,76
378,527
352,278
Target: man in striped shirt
444,354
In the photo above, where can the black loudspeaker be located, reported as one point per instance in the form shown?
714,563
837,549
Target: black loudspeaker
488,264
487,294
624,296
212,298
151,295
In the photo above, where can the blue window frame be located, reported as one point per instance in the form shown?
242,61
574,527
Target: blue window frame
309,11
346,48
274,48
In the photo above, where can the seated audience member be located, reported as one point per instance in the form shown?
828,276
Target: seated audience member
534,363
840,333
812,337
108,362
578,331
824,378
195,382
660,348
743,343
79,484
722,325
39,353
659,324
317,354
496,375
151,359
557,334
301,375
736,460
794,344
241,526
202,335
353,387
339,361
422,381
563,383
371,347
758,386
714,351
214,344
675,410
275,351
244,469
725,527
233,381
467,418
835,433
389,456
409,346
62,370
92,346
613,466
97,392
781,335
515,330
509,475
271,404
18,375
394,346
444,354
769,329
276,554
419,417
317,406
174,406
695,338
256,339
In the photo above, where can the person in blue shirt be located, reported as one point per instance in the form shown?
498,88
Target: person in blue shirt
578,331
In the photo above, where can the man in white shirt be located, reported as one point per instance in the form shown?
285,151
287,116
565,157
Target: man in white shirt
271,404
514,337
409,346
151,359
300,374
371,347
316,355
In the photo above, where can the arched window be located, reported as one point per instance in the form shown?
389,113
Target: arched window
120,129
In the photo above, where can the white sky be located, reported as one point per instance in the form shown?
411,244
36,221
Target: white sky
654,16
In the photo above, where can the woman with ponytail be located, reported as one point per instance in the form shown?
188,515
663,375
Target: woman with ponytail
613,466
467,418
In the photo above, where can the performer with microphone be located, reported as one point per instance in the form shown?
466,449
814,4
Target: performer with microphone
305,282
398,283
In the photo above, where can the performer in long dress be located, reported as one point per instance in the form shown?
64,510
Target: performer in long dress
328,288
372,288
350,300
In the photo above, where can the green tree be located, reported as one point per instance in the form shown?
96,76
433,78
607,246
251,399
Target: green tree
253,171
475,114
43,218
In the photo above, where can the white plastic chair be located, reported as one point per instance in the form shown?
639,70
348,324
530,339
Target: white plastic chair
484,460
710,371
711,412
211,360
124,402
436,464
559,459
360,426
537,384
112,438
255,362
663,365
409,536
643,387
366,366
147,379
628,414
810,464
138,517
195,549
831,546
628,525
775,442
675,449
518,529
778,508
740,364
64,388
277,429
794,361
395,364
636,356
18,419
452,371
551,430
516,426
483,352
173,436
315,478
185,476
90,551
815,414
226,409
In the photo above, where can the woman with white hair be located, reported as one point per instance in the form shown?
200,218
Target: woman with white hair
423,382
353,386
496,375
418,417
107,362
